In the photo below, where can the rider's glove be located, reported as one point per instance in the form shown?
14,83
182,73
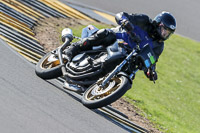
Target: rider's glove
127,25
152,75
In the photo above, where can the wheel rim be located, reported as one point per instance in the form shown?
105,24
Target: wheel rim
96,92
50,62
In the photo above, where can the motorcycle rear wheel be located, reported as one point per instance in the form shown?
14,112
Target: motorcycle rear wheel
96,97
46,69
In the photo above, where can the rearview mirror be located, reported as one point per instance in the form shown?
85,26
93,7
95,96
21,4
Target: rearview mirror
67,33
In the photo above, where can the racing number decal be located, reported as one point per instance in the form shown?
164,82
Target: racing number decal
151,58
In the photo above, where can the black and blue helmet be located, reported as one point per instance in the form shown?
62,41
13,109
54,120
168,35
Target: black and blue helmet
166,25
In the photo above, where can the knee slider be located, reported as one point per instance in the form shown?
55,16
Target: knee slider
110,38
102,33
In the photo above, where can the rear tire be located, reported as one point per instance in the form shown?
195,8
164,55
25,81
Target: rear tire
46,69
96,97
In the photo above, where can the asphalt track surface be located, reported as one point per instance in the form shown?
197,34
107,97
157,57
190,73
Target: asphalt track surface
32,105
186,12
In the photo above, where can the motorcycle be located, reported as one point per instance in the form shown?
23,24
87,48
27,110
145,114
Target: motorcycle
103,75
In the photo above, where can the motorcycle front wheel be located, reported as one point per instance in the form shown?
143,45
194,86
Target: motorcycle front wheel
96,96
48,67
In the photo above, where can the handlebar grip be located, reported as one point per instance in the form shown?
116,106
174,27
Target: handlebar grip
127,26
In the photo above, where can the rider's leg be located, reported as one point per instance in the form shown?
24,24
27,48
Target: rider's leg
102,37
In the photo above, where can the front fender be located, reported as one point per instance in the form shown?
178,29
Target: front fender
126,75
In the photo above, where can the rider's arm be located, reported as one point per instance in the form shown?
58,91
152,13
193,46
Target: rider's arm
136,19
158,48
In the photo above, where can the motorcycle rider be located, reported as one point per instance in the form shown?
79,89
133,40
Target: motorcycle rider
159,29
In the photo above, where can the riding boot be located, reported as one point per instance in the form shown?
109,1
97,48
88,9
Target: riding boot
71,51
75,48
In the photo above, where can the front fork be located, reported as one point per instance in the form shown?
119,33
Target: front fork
118,69
132,75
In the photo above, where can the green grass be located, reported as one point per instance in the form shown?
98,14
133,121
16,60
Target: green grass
173,103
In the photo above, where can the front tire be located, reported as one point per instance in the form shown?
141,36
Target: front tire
46,69
96,97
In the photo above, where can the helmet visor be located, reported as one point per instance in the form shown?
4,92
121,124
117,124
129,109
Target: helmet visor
165,32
